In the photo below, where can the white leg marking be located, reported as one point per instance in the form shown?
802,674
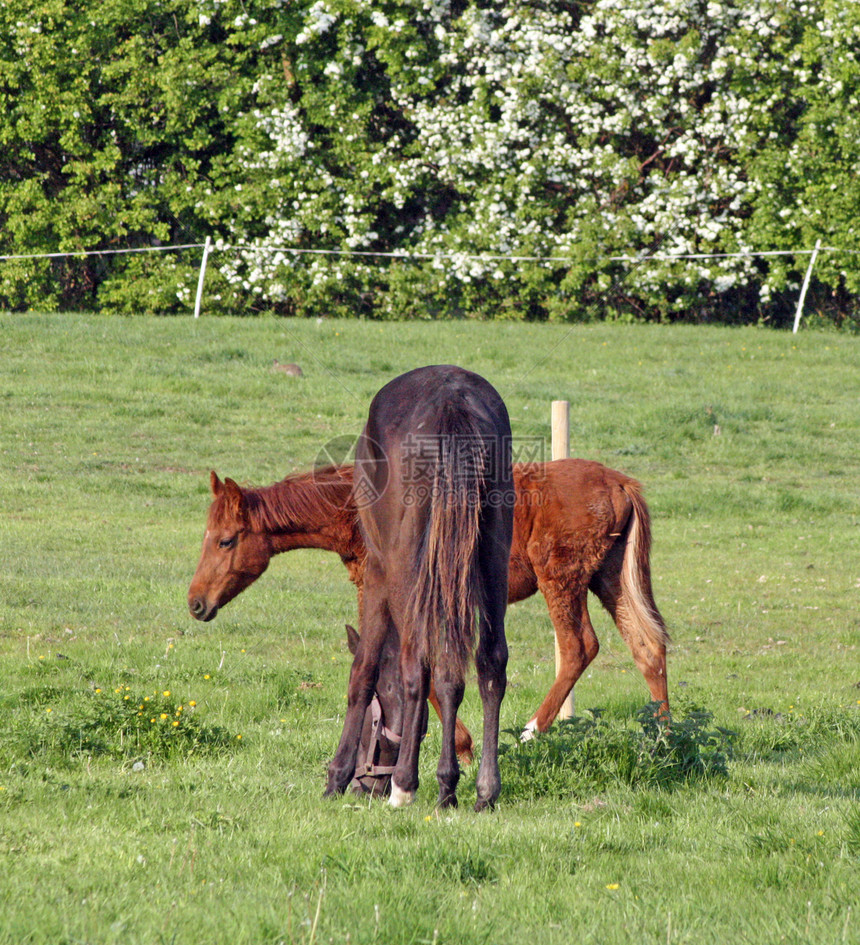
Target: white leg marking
399,797
529,732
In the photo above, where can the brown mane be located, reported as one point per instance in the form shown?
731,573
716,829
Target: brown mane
319,495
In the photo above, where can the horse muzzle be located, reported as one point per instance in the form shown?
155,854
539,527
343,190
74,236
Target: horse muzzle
200,610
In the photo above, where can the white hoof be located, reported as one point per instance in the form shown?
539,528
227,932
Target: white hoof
529,732
399,797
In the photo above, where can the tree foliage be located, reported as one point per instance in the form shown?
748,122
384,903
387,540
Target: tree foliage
523,159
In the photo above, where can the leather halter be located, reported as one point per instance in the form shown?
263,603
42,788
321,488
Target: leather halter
378,731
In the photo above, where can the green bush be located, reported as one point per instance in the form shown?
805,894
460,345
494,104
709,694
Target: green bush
122,724
588,753
598,137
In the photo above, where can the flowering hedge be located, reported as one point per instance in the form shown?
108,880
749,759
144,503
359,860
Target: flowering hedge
500,157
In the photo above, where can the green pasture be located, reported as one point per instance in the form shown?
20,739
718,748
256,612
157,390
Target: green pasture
161,780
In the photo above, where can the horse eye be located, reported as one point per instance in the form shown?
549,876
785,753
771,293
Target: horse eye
227,542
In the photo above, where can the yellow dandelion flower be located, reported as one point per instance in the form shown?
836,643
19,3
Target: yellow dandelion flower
166,693
612,885
98,690
238,738
207,676
192,703
175,724
126,698
163,716
49,710
153,721
577,824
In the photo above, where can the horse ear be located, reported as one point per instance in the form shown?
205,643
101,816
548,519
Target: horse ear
236,499
352,639
215,484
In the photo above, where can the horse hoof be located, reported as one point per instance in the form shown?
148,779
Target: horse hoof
529,732
483,805
399,797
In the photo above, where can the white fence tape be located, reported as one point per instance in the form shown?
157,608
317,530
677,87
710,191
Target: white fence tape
208,248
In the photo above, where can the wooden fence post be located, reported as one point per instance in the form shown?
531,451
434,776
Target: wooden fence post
561,450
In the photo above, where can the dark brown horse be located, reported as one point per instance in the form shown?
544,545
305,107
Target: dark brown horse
578,525
435,496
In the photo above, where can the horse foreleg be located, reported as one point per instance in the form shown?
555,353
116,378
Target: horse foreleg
416,684
450,690
577,644
362,682
462,736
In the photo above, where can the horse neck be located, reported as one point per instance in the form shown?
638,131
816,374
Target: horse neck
307,513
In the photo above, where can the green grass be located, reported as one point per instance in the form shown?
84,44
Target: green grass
742,825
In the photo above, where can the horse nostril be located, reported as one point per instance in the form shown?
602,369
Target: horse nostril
198,608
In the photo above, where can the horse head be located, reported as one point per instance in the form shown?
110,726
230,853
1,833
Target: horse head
234,555
383,722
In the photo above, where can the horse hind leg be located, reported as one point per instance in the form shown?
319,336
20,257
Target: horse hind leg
631,605
491,660
578,645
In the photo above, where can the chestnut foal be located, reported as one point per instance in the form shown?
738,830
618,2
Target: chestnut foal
578,526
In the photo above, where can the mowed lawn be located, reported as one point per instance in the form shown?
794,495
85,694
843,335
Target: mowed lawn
161,779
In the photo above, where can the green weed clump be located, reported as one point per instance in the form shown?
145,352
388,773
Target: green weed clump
589,753
118,724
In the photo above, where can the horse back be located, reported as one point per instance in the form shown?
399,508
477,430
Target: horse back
569,511
418,422
434,458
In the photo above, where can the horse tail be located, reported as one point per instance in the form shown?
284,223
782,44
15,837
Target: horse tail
447,588
635,578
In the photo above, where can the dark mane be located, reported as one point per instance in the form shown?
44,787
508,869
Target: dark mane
318,495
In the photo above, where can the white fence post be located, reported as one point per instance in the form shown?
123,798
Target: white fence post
206,247
802,298
561,450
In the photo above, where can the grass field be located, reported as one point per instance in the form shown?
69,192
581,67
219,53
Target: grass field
119,826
